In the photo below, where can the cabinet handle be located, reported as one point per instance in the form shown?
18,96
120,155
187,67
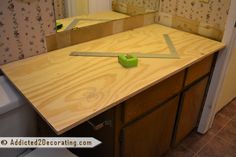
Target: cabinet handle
100,125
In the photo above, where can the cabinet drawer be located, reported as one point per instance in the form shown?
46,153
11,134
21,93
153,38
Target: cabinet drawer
199,69
152,97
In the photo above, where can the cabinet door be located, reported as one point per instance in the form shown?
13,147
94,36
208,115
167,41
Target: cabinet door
151,135
190,109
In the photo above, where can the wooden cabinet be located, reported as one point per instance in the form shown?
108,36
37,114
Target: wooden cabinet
151,135
190,108
148,123
145,122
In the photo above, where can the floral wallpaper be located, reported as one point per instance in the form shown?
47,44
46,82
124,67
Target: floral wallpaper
147,4
59,6
23,27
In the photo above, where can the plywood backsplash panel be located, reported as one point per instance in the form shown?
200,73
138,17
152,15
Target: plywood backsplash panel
207,19
135,7
23,27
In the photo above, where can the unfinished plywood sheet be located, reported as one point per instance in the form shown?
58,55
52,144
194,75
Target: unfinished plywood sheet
67,91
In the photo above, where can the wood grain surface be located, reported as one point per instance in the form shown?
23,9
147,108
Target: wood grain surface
90,19
67,91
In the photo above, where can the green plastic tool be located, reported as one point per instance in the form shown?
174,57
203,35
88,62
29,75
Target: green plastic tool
128,61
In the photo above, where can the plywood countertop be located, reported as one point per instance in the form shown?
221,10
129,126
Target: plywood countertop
92,19
67,91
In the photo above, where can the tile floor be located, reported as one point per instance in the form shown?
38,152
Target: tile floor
220,141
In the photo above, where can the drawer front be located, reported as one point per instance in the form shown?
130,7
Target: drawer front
152,97
199,69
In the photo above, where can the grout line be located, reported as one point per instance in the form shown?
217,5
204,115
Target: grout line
187,149
221,114
221,130
225,141
223,126
214,136
203,146
194,154
230,118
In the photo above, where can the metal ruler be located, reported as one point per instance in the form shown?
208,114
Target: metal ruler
72,24
172,55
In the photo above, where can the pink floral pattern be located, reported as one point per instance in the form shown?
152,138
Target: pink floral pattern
59,6
23,27
213,13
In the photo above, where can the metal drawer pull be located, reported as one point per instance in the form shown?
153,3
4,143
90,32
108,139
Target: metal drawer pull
100,125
